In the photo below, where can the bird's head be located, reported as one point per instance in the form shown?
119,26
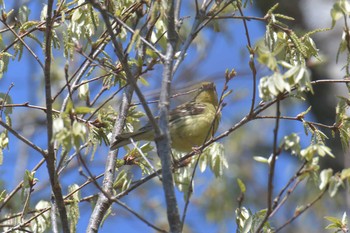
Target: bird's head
207,93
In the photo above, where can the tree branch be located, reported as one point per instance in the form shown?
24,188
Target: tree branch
104,202
162,138
51,156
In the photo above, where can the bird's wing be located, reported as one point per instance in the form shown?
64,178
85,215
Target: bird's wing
187,109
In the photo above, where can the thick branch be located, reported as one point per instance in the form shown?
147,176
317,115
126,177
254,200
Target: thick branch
162,139
104,202
50,158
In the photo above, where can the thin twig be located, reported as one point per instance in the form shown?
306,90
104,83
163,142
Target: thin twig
139,216
276,204
27,105
301,211
24,43
270,186
251,59
105,102
177,13
23,139
297,119
280,204
151,46
18,187
42,211
145,158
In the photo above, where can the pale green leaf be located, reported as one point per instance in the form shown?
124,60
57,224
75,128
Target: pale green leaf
42,222
247,225
241,185
325,176
84,91
73,208
203,161
345,173
261,159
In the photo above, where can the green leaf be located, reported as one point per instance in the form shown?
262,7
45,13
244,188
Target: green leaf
8,100
325,176
58,125
241,185
340,9
79,132
122,181
203,162
333,219
42,222
83,110
337,223
4,140
70,106
315,149
2,195
247,225
324,150
334,185
261,159
216,157
106,214
23,13
84,91
292,142
345,174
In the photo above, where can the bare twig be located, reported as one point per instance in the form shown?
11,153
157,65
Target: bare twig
23,139
139,216
251,59
27,105
297,119
301,211
145,158
278,204
161,56
105,102
24,43
270,186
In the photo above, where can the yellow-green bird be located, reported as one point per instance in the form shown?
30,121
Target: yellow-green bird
190,124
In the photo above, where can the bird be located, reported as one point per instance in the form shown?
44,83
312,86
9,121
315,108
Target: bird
190,123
